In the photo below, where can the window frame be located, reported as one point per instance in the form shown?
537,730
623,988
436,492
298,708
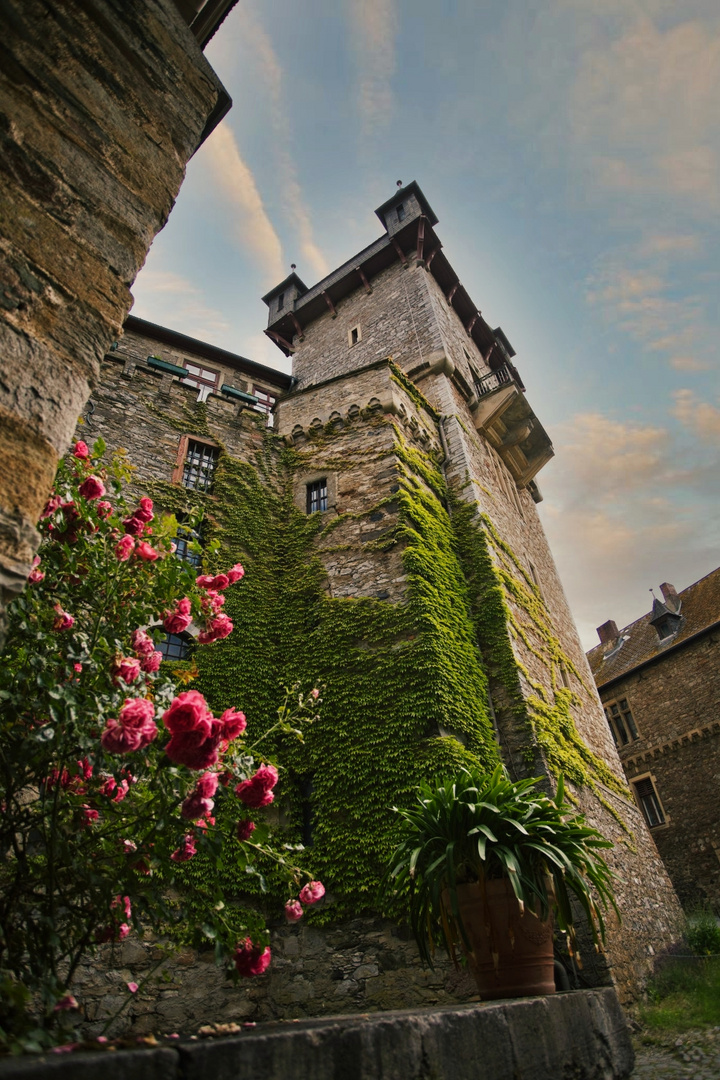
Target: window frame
620,718
185,641
351,331
203,386
654,797
181,461
322,486
266,406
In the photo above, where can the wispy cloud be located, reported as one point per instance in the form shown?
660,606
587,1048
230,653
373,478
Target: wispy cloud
171,300
702,418
260,49
373,26
234,179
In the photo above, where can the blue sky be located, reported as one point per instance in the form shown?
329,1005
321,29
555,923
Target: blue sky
571,150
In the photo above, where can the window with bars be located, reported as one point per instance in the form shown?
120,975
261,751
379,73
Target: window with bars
649,801
199,465
317,498
622,725
183,549
265,402
204,379
174,647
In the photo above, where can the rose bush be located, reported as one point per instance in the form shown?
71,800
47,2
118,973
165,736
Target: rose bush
110,773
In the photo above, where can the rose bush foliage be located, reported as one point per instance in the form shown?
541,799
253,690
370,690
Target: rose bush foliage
110,773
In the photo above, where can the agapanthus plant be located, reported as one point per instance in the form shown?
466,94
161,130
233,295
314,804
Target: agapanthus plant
111,774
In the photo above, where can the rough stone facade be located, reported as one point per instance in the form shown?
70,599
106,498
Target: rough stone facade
667,693
101,105
455,397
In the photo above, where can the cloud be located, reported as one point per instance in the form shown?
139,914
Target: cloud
700,417
688,363
171,300
259,47
373,27
253,227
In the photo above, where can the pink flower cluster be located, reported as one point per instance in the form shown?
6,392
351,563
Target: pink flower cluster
186,850
148,657
196,733
251,959
35,574
199,803
135,527
257,790
134,728
309,894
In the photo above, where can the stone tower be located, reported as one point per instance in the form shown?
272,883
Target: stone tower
390,353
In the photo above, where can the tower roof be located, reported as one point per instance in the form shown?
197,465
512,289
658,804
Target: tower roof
402,193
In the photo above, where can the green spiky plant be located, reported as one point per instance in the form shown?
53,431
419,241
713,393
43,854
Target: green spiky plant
476,827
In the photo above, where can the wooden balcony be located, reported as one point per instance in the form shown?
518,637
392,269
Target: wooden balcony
502,413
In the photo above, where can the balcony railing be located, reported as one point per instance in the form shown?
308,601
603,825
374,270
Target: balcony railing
493,381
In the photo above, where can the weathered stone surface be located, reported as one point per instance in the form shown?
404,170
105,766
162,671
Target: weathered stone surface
101,105
581,1035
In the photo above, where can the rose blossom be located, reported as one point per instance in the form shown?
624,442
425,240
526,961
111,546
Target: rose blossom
133,730
67,1002
195,806
251,959
315,694
62,621
124,548
235,574
216,628
177,621
92,488
132,987
293,911
312,892
212,602
127,669
189,711
133,527
89,815
151,663
144,512
245,829
257,791
80,450
195,750
146,552
142,643
234,724
217,583
122,902
51,506
129,846
36,575
104,509
186,850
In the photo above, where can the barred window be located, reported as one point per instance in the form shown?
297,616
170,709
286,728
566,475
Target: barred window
174,647
317,496
199,466
183,550
622,725
649,801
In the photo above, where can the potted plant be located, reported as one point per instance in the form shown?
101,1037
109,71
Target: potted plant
485,862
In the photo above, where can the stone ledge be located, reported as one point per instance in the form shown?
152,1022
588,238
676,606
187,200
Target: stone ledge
582,1034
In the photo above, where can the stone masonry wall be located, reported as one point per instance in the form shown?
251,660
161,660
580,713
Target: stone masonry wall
102,104
676,707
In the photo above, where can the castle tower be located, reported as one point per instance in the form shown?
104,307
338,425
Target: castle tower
416,444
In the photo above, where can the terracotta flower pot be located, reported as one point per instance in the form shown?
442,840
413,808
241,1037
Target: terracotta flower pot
511,954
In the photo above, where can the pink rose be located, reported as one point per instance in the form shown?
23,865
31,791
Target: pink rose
215,629
89,815
146,552
92,488
235,574
183,607
195,806
293,911
315,694
77,667
176,624
186,850
133,526
234,724
151,663
189,711
193,749
134,730
62,621
137,713
207,785
51,506
251,959
132,987
312,892
212,602
257,791
142,643
80,450
122,790
124,548
217,583
124,903
127,669
67,1002
36,575
109,786
122,931
129,847
104,509
144,512
245,829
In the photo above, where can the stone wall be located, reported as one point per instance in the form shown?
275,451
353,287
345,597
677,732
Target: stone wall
102,104
676,707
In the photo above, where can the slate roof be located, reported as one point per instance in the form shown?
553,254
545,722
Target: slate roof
640,642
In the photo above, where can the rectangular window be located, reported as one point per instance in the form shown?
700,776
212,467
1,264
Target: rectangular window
281,301
183,551
354,336
174,647
622,724
199,466
401,212
265,403
317,496
204,378
649,801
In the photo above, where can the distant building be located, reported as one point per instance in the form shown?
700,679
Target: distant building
659,682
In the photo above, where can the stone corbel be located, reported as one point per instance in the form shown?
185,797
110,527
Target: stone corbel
440,364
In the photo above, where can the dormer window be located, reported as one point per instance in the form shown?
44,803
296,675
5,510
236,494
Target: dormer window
281,301
401,212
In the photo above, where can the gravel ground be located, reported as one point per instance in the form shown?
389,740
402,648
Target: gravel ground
695,1055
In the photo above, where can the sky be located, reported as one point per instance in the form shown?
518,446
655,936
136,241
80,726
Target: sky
571,150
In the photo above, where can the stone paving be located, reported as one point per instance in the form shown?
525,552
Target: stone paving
695,1055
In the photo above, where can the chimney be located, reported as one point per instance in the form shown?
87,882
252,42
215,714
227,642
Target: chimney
607,632
670,596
